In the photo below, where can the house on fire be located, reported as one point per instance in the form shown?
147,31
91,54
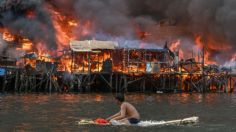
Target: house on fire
109,56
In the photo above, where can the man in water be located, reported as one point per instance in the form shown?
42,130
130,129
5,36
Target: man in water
127,114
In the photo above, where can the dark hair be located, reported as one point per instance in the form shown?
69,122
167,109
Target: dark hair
120,97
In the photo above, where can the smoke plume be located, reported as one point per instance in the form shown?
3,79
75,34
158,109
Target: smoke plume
214,20
38,27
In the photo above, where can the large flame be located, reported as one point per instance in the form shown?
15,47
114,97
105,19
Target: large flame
69,27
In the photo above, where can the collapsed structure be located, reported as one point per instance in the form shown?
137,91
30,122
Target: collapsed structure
93,65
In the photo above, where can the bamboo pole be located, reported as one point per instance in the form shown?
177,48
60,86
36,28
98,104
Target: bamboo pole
16,81
89,70
50,83
4,83
125,83
111,75
116,82
144,84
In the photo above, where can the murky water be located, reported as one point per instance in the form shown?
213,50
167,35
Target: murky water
59,112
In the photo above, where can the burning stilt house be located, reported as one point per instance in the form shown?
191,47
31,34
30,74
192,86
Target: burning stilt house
94,59
38,53
106,66
92,56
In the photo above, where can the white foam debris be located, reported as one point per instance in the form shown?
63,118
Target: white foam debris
190,120
185,121
150,123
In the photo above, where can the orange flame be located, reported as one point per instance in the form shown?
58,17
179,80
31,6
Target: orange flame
200,44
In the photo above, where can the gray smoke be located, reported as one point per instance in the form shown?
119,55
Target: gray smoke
213,19
39,29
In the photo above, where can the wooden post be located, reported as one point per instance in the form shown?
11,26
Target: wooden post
120,83
111,81
16,80
80,82
27,84
89,70
116,82
83,63
4,83
144,84
191,81
50,84
47,81
125,83
226,84
169,76
21,81
163,82
181,78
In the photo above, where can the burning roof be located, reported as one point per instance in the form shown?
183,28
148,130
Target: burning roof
90,45
139,45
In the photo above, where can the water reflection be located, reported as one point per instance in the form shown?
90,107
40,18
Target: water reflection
99,98
135,97
29,112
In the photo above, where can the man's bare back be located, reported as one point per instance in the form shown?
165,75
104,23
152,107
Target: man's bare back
127,114
130,110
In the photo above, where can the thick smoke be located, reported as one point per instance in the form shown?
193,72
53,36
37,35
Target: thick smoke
39,29
213,19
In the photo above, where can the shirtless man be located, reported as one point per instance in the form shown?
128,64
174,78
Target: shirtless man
127,114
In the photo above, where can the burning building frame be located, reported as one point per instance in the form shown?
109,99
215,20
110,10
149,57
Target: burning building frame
93,65
39,51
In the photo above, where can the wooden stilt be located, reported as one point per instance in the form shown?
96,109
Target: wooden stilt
120,83
163,82
16,81
111,88
116,82
144,84
125,84
50,84
89,70
4,83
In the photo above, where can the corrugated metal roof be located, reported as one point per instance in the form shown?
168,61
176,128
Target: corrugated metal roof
90,45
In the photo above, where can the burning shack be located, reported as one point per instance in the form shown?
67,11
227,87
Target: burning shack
106,62
42,57
108,56
92,56
94,65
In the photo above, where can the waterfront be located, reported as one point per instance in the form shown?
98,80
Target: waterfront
59,112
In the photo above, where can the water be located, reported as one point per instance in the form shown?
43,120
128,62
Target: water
59,112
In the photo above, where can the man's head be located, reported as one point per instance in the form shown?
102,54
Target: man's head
120,98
